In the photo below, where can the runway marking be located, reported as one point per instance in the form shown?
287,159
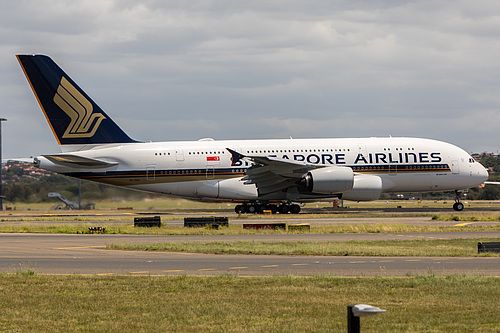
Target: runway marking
300,264
462,224
206,269
79,247
141,272
413,260
237,267
102,274
267,266
174,270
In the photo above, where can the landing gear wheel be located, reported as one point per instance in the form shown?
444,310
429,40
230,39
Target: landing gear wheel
239,209
251,209
272,208
458,206
294,209
284,209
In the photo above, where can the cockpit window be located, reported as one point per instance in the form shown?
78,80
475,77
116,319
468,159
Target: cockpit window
471,160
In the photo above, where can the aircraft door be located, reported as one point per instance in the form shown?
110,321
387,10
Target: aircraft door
179,154
362,150
210,172
455,168
150,173
393,169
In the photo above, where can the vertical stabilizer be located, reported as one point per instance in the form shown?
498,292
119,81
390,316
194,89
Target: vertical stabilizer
73,116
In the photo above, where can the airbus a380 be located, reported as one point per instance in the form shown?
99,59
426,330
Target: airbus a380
277,175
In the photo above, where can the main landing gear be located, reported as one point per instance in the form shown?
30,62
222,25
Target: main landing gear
458,206
259,208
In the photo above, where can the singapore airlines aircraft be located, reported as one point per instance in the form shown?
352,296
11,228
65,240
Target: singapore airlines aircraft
276,175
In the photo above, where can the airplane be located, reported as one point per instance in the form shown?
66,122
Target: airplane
276,175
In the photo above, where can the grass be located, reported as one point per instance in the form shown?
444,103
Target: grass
234,304
391,248
171,204
238,230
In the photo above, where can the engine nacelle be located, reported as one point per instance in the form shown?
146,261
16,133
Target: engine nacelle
233,189
365,188
330,180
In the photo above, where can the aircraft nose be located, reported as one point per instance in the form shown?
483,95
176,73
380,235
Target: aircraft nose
481,172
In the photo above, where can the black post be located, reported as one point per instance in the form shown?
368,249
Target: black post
1,181
353,324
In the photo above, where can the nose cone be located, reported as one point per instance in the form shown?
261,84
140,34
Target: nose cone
480,173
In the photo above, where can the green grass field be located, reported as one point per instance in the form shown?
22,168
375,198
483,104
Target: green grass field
238,229
173,204
33,303
390,248
41,303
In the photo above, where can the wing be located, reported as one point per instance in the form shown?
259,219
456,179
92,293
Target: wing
492,183
271,174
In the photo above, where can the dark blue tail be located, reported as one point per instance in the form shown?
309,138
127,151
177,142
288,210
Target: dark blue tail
72,115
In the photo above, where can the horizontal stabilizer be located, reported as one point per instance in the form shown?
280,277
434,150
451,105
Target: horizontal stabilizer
21,160
78,161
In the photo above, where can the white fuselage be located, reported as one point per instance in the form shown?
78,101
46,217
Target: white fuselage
202,170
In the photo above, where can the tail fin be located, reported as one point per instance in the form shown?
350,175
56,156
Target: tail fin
73,116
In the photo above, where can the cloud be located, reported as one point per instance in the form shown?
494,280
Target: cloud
168,70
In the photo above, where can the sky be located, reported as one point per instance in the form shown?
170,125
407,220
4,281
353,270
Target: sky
185,70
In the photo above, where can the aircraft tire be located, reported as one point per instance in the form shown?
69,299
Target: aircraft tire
284,209
294,209
273,208
458,206
251,209
239,209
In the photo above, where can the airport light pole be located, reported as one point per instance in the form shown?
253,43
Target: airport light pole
1,181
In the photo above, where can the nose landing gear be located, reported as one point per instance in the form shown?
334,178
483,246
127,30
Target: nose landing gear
458,206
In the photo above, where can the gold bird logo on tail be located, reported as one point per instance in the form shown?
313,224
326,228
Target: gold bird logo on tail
83,123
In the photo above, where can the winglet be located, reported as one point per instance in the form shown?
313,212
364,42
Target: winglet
235,156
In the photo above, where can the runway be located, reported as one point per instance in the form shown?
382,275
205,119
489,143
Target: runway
85,254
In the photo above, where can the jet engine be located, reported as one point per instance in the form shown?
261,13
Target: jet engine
330,180
365,188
